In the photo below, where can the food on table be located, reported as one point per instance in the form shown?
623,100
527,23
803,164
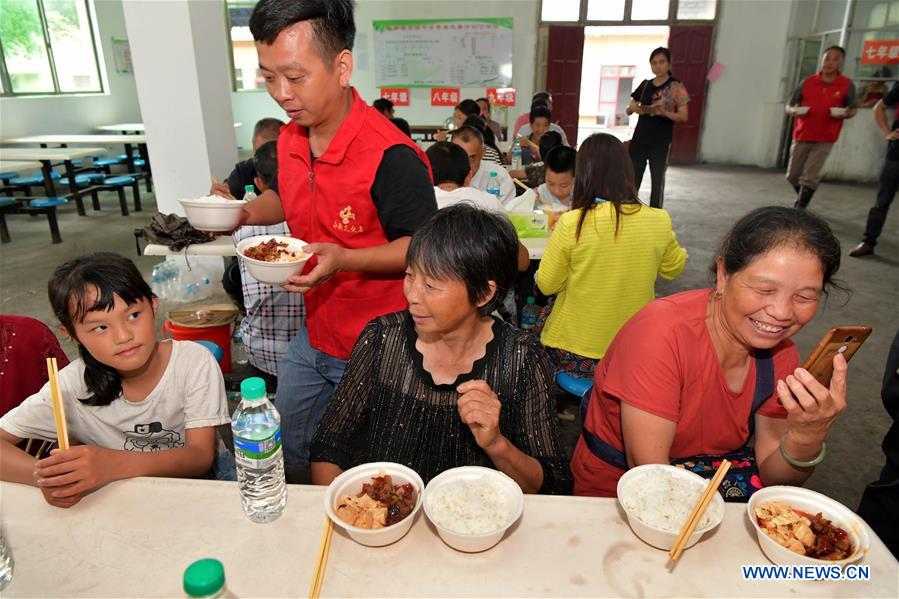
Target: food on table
813,536
379,504
664,502
274,251
470,506
214,199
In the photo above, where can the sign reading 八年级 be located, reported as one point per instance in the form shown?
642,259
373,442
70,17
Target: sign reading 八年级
443,52
880,52
398,95
445,96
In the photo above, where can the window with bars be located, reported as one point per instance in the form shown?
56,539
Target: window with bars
627,11
48,47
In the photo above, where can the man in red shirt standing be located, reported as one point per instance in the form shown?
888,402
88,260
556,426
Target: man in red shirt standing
818,106
351,185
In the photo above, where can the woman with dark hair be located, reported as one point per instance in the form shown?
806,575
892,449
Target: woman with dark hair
691,377
603,257
660,102
446,384
461,112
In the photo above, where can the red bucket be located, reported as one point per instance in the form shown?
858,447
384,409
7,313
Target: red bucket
220,335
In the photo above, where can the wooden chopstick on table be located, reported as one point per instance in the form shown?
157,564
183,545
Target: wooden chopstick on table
698,510
59,412
318,575
521,185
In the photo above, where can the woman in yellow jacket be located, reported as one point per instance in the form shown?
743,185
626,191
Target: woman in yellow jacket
602,259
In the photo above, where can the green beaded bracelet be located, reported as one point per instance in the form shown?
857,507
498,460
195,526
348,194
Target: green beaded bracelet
799,464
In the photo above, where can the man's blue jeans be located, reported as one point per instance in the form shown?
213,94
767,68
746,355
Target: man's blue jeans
307,378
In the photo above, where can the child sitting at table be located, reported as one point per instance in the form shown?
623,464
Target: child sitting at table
555,192
134,405
244,172
541,117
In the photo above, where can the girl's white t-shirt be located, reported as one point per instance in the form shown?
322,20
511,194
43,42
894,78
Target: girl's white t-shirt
190,394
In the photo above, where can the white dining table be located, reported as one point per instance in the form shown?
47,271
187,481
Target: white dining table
78,138
134,538
135,127
47,156
18,165
223,245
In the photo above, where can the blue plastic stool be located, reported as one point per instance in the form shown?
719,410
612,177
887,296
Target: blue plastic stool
217,352
575,385
83,178
33,179
8,175
119,183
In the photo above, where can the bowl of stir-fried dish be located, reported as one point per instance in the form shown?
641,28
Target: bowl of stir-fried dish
273,258
797,526
375,503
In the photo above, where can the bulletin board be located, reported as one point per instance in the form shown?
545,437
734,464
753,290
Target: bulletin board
443,52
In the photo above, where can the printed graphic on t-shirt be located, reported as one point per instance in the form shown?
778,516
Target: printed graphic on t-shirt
151,437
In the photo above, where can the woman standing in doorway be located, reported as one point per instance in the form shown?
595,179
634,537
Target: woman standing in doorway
660,102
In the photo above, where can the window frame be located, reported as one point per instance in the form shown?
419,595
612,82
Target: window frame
6,82
628,20
231,63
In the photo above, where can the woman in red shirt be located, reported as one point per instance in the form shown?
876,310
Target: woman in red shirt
692,374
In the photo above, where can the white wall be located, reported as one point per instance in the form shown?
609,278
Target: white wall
250,106
744,107
79,114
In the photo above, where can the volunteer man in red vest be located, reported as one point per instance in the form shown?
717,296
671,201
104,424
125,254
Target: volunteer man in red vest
818,106
351,185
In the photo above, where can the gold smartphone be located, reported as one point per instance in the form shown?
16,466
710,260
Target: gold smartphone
838,340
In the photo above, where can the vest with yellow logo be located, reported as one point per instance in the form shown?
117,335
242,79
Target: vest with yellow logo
817,124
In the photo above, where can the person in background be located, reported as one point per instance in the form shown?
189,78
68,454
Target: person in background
385,107
462,111
661,102
603,257
273,316
534,174
497,129
555,192
350,184
889,174
815,132
491,152
691,376
244,173
25,345
445,384
472,141
135,405
523,126
452,175
402,125
879,505
541,119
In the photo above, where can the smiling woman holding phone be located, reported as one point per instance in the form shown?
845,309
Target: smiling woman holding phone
691,377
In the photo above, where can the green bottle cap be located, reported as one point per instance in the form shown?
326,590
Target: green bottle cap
204,578
249,188
531,300
492,173
252,388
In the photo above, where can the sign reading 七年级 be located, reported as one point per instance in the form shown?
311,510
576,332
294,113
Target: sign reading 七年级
880,52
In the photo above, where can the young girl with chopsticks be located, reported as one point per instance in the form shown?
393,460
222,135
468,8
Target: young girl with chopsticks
134,405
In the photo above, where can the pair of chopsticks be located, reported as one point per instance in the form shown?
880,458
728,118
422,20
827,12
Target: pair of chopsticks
521,185
318,575
216,182
59,412
698,510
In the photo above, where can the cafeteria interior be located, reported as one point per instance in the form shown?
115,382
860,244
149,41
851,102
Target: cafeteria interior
198,100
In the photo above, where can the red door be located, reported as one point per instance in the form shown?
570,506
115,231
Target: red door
691,48
565,55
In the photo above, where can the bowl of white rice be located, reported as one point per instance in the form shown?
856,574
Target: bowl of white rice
472,507
659,498
213,213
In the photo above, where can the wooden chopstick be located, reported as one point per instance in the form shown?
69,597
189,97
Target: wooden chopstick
521,185
318,575
698,511
59,412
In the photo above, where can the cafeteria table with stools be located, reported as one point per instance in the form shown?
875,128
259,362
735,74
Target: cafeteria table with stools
47,156
126,128
128,141
135,538
16,166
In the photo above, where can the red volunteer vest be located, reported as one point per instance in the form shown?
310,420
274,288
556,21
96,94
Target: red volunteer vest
817,124
330,201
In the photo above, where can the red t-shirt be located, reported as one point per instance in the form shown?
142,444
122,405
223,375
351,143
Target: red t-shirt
662,361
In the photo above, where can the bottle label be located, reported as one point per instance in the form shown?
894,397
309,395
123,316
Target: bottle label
258,454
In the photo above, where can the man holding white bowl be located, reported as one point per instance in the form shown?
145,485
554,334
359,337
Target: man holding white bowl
818,107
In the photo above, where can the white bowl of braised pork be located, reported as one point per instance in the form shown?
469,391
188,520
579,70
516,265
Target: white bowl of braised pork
273,258
375,503
797,526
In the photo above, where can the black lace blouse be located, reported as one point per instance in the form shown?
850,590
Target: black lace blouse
387,407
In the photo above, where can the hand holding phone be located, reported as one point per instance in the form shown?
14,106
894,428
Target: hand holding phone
839,340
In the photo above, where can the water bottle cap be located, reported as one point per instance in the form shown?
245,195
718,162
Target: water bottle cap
249,188
531,300
204,578
252,388
492,173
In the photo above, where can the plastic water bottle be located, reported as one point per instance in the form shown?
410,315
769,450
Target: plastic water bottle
516,154
6,562
529,314
256,426
205,578
249,193
493,187
238,351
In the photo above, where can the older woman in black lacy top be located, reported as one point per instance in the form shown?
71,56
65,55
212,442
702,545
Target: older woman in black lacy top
445,384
